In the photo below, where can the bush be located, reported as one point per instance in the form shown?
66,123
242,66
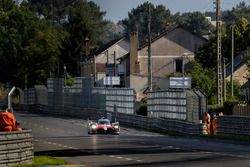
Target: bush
228,105
143,109
215,109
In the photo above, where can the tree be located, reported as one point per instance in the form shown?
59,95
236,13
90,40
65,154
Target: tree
241,10
44,46
203,79
196,22
207,54
53,10
138,21
85,21
28,46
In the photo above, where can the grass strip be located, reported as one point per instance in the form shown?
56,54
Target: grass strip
44,160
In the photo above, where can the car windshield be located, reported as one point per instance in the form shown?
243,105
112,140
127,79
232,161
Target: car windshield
102,122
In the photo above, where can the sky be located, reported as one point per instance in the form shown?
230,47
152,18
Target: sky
118,9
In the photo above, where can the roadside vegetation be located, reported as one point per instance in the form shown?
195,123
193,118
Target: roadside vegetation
44,160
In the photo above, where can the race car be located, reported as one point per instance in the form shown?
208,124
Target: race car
103,126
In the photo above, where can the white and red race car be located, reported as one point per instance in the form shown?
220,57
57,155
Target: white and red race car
103,126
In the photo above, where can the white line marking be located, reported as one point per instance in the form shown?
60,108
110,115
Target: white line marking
119,157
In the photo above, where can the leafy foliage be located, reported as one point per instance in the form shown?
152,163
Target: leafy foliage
85,21
38,37
196,22
25,39
138,20
203,79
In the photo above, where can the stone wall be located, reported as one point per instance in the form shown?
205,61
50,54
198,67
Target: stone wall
16,148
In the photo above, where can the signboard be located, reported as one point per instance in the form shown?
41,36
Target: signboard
109,70
180,82
111,80
121,69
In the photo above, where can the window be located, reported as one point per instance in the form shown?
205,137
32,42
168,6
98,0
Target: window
178,65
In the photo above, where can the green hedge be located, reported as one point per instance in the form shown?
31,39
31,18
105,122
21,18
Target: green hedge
226,108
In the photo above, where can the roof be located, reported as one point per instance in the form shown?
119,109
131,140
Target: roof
106,46
168,30
238,62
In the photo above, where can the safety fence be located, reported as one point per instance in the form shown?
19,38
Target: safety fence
233,125
181,104
187,105
16,148
84,95
241,110
161,124
142,122
30,96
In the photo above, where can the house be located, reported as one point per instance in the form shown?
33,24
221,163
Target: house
103,61
171,51
240,74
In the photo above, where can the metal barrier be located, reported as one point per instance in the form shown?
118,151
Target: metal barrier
188,105
16,148
142,122
233,125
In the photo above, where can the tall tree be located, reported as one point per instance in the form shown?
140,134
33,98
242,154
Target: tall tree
54,10
85,26
138,19
203,79
196,22
27,45
234,15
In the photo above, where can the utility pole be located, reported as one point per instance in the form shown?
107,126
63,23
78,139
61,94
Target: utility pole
232,63
114,63
224,78
219,61
183,72
94,70
149,51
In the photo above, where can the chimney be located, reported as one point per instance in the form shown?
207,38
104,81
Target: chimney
134,64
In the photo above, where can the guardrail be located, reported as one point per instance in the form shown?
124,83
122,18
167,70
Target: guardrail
233,125
16,148
137,121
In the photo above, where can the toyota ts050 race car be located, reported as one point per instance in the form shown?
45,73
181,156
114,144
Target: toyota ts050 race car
103,126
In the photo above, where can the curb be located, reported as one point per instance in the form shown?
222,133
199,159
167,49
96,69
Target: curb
66,166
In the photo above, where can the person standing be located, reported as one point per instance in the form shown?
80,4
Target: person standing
206,119
214,122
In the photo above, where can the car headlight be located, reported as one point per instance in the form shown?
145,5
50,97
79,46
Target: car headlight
93,126
116,126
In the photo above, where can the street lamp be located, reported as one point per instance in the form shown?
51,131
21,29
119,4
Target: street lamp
232,63
183,67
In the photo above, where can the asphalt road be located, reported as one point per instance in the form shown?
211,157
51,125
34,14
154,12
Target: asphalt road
67,138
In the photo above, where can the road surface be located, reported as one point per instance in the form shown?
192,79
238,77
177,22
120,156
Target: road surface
67,138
